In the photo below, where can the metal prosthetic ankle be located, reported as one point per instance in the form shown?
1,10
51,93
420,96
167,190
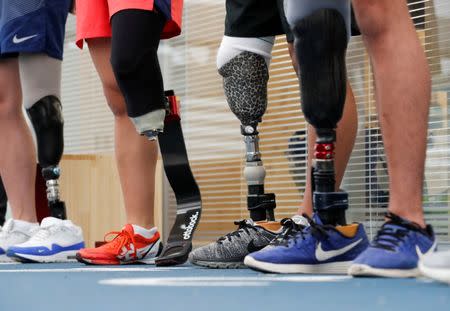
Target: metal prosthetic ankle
245,82
321,43
47,120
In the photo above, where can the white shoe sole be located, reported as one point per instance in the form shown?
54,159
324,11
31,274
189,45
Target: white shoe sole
66,256
325,268
441,275
365,270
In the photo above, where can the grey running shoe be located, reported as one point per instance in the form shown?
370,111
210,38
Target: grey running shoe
436,266
229,251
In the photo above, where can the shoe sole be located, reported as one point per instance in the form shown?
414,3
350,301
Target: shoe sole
7,260
218,265
67,256
441,275
325,268
93,262
365,270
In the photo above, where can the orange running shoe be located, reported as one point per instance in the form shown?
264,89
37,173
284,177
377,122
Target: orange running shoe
127,247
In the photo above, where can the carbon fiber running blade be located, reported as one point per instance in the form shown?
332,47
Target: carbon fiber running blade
187,193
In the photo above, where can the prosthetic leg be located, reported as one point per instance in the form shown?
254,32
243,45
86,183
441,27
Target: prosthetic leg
246,92
181,179
46,117
187,193
321,42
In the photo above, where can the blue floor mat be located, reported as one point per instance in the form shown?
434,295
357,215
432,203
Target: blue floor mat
78,287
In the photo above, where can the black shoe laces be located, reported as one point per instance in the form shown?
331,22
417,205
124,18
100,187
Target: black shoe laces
317,230
243,226
290,229
393,232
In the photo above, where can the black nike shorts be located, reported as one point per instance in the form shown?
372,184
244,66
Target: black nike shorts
260,18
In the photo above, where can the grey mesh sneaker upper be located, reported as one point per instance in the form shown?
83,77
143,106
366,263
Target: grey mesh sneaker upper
234,246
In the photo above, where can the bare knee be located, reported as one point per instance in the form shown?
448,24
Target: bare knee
115,99
10,105
372,15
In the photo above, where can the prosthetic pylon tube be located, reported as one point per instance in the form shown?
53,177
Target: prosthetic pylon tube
245,83
46,117
321,43
261,205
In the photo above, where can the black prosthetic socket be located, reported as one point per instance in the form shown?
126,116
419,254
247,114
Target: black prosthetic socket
321,43
3,203
135,41
46,117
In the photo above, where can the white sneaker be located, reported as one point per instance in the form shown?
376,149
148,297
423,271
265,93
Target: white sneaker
14,232
56,241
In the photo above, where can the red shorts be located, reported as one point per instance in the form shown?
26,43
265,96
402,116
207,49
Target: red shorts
93,16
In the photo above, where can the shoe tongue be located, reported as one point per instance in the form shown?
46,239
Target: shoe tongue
129,228
50,221
300,220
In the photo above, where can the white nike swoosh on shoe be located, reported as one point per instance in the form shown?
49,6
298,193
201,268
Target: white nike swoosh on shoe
322,255
17,40
431,250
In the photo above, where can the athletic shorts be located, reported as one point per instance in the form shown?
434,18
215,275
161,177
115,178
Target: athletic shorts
260,18
33,26
93,16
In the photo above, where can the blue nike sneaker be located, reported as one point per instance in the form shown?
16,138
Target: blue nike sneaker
396,250
318,249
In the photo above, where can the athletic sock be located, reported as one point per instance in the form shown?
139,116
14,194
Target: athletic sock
146,233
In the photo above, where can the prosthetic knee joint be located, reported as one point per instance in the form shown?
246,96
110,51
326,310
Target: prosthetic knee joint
245,83
46,117
321,43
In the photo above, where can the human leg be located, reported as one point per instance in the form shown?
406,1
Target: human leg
403,102
135,155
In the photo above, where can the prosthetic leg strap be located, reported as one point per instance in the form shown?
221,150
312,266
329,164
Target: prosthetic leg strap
187,193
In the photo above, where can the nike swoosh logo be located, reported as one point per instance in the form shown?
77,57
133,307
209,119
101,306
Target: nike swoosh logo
17,40
322,255
431,250
253,248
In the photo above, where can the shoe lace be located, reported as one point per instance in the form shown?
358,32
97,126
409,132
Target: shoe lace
390,237
120,239
243,226
43,233
290,229
317,230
